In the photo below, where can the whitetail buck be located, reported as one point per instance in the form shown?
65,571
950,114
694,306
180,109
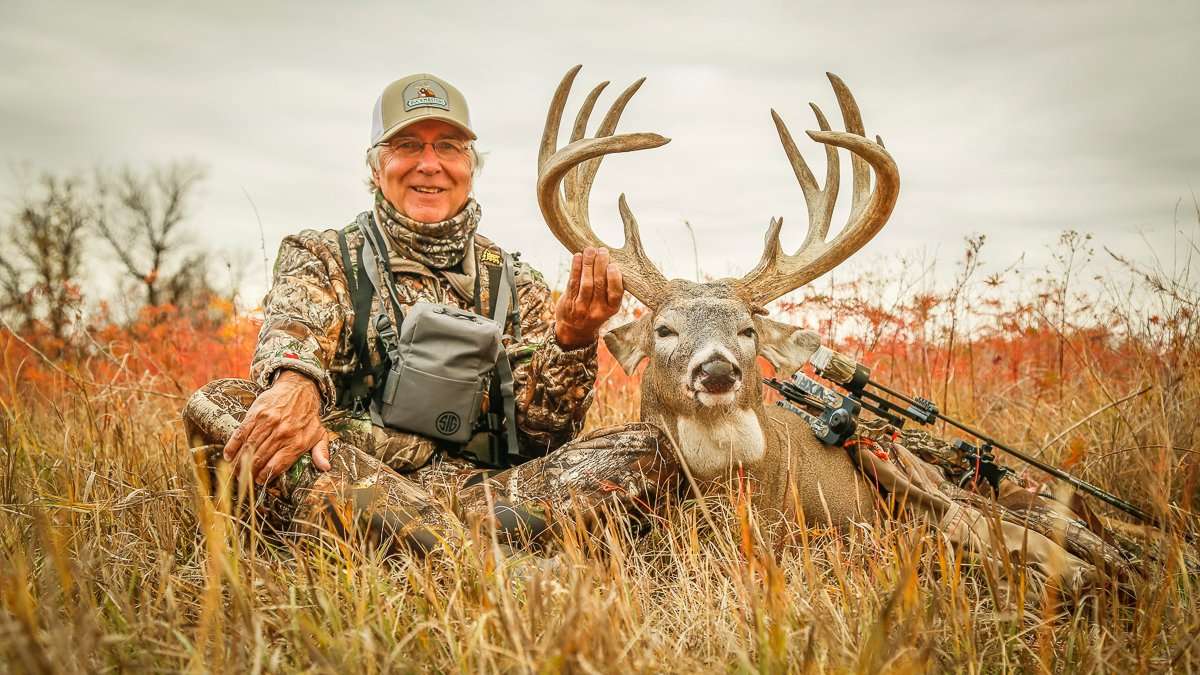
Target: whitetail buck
702,339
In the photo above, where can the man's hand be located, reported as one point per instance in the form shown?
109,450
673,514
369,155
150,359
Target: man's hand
593,295
282,424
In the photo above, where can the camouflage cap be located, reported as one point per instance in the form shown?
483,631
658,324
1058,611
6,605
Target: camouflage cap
415,98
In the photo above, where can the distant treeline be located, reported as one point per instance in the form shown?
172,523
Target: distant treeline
124,230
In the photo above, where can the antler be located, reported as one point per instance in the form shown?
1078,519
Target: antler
777,273
575,166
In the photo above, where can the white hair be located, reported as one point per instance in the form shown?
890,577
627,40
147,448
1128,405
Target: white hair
374,163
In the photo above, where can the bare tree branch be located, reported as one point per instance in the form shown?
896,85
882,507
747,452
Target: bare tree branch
41,268
141,221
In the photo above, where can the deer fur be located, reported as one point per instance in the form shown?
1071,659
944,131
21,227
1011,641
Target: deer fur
717,434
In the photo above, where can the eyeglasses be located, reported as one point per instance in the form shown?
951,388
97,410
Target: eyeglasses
445,148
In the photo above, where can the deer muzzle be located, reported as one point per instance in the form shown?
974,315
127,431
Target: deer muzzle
717,375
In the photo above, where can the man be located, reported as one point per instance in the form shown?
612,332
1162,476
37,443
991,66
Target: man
301,427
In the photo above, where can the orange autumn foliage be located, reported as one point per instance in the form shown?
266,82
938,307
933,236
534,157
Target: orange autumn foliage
963,347
176,352
164,350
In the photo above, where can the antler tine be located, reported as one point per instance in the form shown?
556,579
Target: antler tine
633,238
852,118
820,201
778,273
571,187
579,182
585,111
642,278
554,116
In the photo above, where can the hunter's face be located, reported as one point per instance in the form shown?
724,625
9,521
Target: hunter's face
428,187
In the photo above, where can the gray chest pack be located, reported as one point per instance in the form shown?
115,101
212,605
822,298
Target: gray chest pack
441,359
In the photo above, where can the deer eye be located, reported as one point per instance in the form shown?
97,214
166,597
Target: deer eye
749,332
664,331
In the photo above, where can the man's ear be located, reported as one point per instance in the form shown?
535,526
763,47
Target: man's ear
630,343
786,347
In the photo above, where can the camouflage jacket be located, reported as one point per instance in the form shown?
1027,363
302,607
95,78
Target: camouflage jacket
309,317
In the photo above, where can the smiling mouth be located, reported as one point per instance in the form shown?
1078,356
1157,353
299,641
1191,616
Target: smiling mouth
428,190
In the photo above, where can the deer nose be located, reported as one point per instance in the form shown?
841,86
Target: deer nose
718,375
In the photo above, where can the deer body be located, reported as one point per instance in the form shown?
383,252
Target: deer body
826,485
703,341
702,385
786,467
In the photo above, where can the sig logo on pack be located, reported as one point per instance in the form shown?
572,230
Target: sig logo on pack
448,423
425,94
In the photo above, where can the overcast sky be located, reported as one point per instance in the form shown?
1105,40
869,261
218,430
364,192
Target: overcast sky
1015,120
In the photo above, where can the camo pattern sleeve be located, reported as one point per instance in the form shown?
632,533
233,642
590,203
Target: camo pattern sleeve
553,386
303,314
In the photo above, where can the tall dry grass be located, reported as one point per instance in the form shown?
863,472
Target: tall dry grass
109,562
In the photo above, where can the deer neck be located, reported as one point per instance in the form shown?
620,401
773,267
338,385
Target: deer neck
712,441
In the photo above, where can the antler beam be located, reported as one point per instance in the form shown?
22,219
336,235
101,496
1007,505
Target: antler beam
778,273
569,172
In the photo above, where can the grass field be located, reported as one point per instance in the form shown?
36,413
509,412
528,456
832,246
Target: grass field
105,566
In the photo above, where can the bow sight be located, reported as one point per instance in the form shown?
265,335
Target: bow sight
833,417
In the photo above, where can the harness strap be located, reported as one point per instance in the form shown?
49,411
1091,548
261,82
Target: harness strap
345,248
495,276
361,293
514,314
478,299
502,299
376,245
505,377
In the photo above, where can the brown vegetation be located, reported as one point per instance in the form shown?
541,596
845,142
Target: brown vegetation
108,561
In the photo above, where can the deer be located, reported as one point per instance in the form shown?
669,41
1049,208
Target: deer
702,341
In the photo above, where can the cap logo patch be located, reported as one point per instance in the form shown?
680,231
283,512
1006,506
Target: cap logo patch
425,94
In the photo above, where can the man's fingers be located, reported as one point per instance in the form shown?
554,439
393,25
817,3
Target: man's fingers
253,438
573,280
616,289
600,277
260,476
269,470
252,441
584,298
320,455
237,439
264,450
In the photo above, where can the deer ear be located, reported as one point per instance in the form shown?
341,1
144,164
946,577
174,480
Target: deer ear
630,343
786,347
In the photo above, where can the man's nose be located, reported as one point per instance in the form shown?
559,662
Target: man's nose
428,161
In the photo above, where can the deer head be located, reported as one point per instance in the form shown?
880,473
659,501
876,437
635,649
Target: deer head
703,339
